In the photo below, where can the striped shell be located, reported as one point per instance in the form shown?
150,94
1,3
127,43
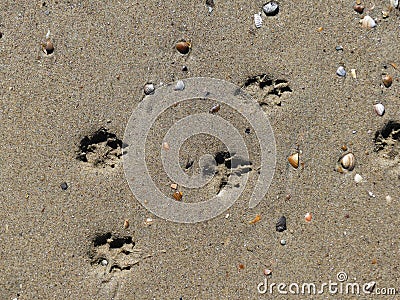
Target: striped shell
258,20
379,109
346,162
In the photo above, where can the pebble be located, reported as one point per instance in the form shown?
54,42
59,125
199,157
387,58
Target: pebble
104,262
183,47
64,186
341,71
283,242
371,194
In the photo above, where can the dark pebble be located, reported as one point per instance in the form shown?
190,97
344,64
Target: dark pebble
64,186
281,224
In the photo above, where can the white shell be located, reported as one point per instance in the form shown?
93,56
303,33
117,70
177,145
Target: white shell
348,161
379,109
368,22
258,20
358,178
353,73
271,8
149,88
341,71
180,86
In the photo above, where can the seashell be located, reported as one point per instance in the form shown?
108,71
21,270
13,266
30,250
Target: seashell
148,221
358,8
255,220
358,178
294,160
281,224
257,20
183,47
308,217
180,86
346,162
149,88
353,73
367,22
379,109
177,195
48,47
271,8
215,108
267,272
126,224
341,71
387,80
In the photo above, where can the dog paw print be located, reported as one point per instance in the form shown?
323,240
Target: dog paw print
101,149
266,90
112,254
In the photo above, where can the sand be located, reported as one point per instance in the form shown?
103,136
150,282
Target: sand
54,241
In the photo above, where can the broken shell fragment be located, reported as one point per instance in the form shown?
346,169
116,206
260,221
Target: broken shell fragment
353,73
358,8
126,224
255,220
346,163
367,22
379,109
357,178
271,8
215,109
177,195
183,47
149,88
341,71
267,272
257,20
294,160
281,224
180,86
308,217
48,47
387,80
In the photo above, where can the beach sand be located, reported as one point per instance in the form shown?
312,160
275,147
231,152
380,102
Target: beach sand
72,244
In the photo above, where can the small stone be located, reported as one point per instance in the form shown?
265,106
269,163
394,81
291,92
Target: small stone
64,186
371,194
339,48
283,242
104,262
341,71
174,186
184,68
281,224
267,272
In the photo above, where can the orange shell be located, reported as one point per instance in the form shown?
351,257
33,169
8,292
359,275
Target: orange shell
294,160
